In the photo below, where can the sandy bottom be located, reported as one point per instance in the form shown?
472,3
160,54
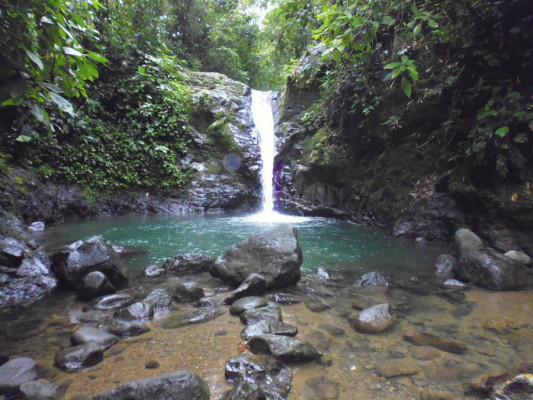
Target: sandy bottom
497,331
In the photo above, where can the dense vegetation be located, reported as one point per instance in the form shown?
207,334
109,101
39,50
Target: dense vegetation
93,92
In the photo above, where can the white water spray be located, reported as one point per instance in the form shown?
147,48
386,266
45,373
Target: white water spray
264,124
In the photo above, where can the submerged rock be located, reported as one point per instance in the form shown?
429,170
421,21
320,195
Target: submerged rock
87,334
283,347
179,320
17,371
39,390
153,271
138,311
176,385
489,269
82,257
320,388
268,326
269,374
275,254
373,279
187,291
75,358
125,329
427,339
188,264
394,368
444,266
374,319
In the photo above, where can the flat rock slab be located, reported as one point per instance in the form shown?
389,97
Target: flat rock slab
179,385
247,303
374,319
268,326
427,339
87,334
285,348
265,372
17,371
394,368
75,358
270,312
274,254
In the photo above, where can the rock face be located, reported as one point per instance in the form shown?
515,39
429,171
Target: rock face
275,254
176,385
81,258
265,372
26,274
487,268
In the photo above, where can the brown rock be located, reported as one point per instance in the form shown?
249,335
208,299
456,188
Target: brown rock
374,319
484,384
502,325
424,353
427,339
436,395
401,367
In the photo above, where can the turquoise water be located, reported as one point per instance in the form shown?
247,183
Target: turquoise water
325,243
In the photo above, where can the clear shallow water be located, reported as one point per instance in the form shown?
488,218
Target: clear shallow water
325,242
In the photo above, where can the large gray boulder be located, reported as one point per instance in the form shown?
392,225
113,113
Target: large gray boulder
487,268
274,254
179,385
80,258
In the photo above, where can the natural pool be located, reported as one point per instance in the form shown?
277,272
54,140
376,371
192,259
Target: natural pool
496,327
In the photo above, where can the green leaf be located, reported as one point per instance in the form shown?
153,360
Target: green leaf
23,138
87,70
406,86
35,58
520,138
97,57
502,131
432,23
72,52
62,103
413,73
417,29
396,73
336,55
39,113
53,88
388,20
392,65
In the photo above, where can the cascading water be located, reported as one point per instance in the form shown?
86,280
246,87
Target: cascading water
264,124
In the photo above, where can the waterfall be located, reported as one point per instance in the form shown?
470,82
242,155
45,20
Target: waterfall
264,124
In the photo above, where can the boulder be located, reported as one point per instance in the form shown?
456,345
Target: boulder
75,358
114,301
187,291
87,334
275,254
374,319
489,269
283,348
138,311
467,241
176,385
253,285
372,279
265,372
94,284
80,258
247,303
17,371
518,256
268,326
188,264
159,299
270,312
445,265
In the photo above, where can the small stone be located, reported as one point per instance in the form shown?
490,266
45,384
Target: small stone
283,347
159,299
93,285
284,298
444,266
253,285
424,353
253,316
454,282
114,301
372,279
268,326
152,364
75,358
323,274
37,226
518,256
394,368
333,330
17,371
427,339
221,333
88,334
153,271
139,311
